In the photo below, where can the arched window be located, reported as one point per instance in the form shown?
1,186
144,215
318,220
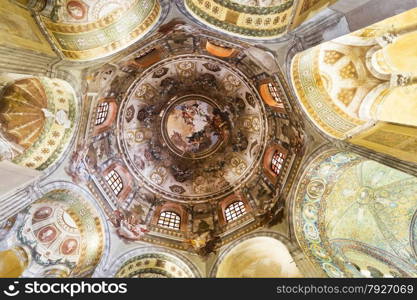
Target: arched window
277,162
169,219
102,111
274,93
115,181
234,211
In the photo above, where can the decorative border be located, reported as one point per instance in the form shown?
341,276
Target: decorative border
256,33
307,212
68,133
317,104
123,146
178,258
256,10
243,38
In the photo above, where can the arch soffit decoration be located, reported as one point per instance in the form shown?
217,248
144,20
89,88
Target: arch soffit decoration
179,258
60,121
320,257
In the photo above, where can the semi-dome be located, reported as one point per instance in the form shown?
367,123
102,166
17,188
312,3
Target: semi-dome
91,29
37,117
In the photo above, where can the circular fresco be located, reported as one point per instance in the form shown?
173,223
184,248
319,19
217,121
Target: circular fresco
192,128
76,10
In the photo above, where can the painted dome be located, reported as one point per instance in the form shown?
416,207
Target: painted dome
37,118
92,29
21,111
64,232
184,142
193,128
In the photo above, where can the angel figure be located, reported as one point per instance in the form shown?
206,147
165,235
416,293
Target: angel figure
128,225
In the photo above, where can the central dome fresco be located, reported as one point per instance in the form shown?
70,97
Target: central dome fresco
192,139
192,128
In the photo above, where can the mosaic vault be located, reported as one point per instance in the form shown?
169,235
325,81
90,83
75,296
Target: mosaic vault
356,218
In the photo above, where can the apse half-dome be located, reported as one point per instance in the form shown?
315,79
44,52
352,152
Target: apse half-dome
38,119
91,29
191,138
155,265
244,18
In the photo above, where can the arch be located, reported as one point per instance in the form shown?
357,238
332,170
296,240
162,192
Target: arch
170,220
14,261
85,32
306,9
364,221
63,233
38,116
249,264
160,261
252,20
